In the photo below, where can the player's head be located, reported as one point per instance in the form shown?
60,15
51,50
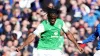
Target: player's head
52,15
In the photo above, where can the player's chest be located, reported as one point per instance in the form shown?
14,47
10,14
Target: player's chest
54,27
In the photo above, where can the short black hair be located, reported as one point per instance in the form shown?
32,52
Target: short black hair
53,11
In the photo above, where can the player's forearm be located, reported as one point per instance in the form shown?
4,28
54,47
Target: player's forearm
71,38
30,38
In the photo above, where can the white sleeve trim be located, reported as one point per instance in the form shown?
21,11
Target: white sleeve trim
65,28
39,30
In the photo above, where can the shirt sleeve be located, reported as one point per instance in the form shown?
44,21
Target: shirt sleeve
39,30
93,36
65,28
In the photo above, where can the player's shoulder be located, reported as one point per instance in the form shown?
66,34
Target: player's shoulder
43,21
60,20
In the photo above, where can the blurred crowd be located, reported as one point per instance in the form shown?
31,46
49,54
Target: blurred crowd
18,18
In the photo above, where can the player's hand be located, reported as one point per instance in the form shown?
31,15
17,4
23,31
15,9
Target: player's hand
19,48
80,49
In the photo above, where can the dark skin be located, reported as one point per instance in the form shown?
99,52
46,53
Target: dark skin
52,18
52,21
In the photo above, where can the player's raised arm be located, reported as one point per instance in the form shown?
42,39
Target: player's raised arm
30,38
92,37
70,36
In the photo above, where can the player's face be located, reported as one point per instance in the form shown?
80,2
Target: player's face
52,19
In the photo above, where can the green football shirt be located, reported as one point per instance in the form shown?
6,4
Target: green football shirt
50,36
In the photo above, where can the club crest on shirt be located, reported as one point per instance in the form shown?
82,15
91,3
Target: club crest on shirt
56,33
